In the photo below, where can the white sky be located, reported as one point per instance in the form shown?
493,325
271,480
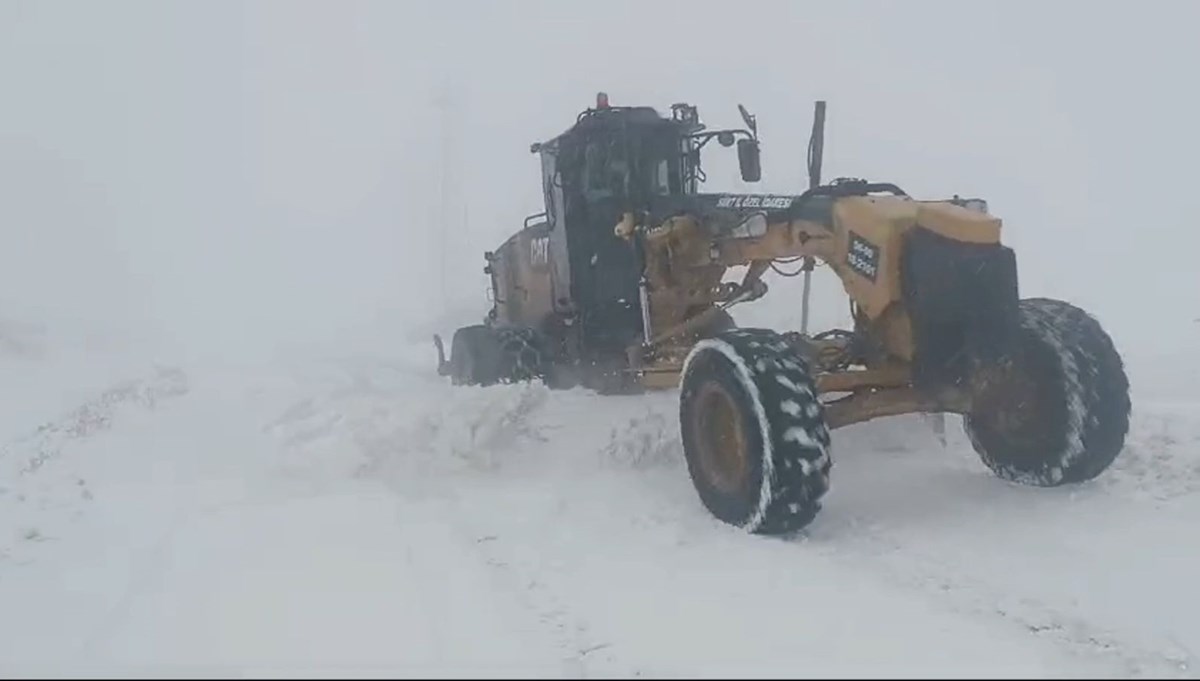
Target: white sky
225,171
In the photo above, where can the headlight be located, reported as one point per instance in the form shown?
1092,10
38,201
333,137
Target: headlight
755,225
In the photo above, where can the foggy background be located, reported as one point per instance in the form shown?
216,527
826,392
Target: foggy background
217,176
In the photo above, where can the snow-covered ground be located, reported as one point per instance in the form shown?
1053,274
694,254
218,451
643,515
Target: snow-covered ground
350,513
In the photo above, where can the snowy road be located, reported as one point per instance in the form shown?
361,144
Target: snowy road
362,517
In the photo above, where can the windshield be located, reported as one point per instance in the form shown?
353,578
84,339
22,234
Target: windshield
661,162
605,171
646,164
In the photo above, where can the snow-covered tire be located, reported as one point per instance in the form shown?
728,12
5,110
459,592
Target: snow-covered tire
1056,411
475,356
521,353
754,433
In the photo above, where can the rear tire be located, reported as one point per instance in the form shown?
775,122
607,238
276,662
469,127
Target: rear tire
754,433
1056,410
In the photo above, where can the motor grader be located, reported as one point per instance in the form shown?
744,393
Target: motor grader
620,285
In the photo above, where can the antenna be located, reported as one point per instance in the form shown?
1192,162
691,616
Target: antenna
816,154
816,146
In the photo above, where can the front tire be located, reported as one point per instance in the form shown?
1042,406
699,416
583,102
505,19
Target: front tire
754,433
521,354
1056,409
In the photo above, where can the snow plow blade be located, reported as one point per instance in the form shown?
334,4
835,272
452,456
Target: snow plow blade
443,367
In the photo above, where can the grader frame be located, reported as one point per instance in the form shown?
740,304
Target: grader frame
623,278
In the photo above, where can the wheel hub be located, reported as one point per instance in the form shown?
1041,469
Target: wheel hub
721,437
1009,399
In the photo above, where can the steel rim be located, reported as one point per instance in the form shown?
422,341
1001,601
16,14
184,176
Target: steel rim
1011,404
721,435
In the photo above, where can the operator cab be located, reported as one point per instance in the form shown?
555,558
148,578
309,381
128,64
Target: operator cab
614,160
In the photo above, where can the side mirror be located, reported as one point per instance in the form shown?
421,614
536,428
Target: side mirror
749,160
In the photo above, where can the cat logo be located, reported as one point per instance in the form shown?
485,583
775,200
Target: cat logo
539,251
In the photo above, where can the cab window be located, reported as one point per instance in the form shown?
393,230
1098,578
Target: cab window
605,173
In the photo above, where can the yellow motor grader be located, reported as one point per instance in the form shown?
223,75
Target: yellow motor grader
620,285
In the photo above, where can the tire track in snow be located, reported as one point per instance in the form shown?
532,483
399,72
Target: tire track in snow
529,588
1151,466
146,575
907,567
861,537
405,445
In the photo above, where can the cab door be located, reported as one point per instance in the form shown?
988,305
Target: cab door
605,269
557,250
